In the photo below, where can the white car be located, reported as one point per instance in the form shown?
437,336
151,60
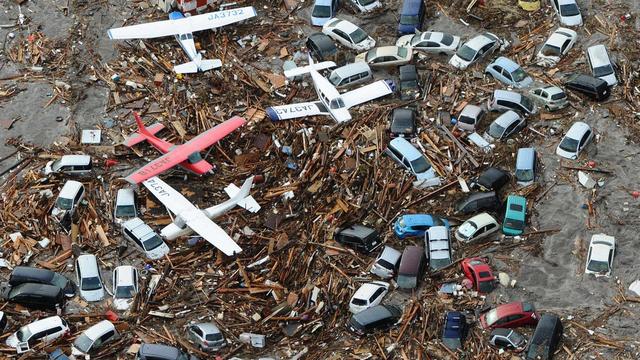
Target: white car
348,34
504,126
556,46
125,286
88,278
46,330
550,97
578,136
431,41
94,337
71,194
386,263
366,5
602,249
147,240
477,227
368,295
568,12
475,49
386,56
70,165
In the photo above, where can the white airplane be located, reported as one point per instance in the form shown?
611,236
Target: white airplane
331,102
189,218
183,27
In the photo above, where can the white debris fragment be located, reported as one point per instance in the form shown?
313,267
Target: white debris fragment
586,180
635,287
504,279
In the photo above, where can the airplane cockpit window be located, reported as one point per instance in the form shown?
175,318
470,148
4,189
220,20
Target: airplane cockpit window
336,103
194,158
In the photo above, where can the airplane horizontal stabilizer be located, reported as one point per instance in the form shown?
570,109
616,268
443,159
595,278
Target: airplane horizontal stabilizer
247,202
186,68
210,64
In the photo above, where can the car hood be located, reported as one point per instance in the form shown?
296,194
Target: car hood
565,154
575,20
361,57
76,352
546,61
524,83
458,63
158,252
366,44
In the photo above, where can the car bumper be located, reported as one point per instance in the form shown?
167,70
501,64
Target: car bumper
458,63
158,252
381,272
571,20
566,154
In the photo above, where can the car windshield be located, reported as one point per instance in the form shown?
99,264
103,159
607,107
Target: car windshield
371,54
491,317
467,120
365,2
466,53
214,337
152,243
23,334
526,102
516,338
83,343
598,266
467,229
64,204
56,165
550,50
402,52
447,39
558,96
514,224
485,286
359,302
519,75
126,210
516,207
602,71
569,10
569,144
409,19
524,175
406,281
92,283
420,165
385,264
125,292
321,11
495,130
358,36
439,263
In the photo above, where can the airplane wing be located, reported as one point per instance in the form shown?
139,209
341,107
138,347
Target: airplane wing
181,152
170,197
211,232
292,111
183,25
366,93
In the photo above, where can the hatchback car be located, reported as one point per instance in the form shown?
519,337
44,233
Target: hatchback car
593,87
473,50
386,263
348,34
438,247
478,201
161,352
504,126
69,165
416,224
36,296
409,82
386,56
94,338
379,317
366,5
602,249
145,238
68,200
469,117
556,46
526,164
45,330
321,47
575,140
360,237
403,123
89,278
550,97
568,12
431,42
479,273
25,274
546,338
514,217
125,286
368,295
206,336
600,64
454,330
508,339
125,207
508,72
478,227
322,11
511,315
405,154
504,100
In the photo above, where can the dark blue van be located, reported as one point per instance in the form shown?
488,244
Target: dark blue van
411,16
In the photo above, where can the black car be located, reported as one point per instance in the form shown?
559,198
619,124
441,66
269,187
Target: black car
409,82
362,238
507,339
379,317
3,321
403,123
37,296
25,274
545,338
595,88
478,201
161,352
321,47
455,330
491,179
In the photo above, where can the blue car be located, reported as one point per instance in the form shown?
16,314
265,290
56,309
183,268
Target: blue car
417,224
322,11
411,16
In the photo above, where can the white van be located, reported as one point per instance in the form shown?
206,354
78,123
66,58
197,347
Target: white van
69,164
68,200
125,206
89,279
600,64
46,330
350,74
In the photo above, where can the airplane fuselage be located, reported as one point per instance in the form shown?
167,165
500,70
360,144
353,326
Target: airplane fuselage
186,41
330,97
194,163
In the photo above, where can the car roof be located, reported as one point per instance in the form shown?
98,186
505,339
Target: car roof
323,41
387,50
43,275
438,232
507,95
600,246
411,257
507,118
598,55
516,199
159,350
510,308
366,290
409,5
577,130
70,189
357,230
389,253
75,160
471,110
501,331
208,328
125,274
125,197
99,329
89,265
349,69
552,89
435,36
343,25
372,314
417,219
405,147
139,228
403,114
525,157
480,40
43,290
453,324
46,323
506,63
322,2
545,326
483,219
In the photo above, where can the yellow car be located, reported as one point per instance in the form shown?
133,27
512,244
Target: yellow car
529,5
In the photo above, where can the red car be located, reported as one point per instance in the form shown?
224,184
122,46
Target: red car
510,315
478,271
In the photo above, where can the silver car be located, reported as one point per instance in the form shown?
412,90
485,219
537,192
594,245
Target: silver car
508,72
504,126
206,336
386,263
550,97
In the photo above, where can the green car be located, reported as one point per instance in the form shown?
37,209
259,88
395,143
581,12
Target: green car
513,223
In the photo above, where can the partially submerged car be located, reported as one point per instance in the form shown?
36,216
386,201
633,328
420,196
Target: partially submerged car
511,315
526,165
504,126
575,140
125,286
556,46
44,330
454,330
473,50
593,87
507,339
479,273
411,16
546,338
550,97
386,263
409,82
403,123
401,151
601,65
161,352
94,338
514,217
386,56
431,42
206,336
568,12
35,296
379,317
125,207
479,226
69,165
71,194
505,100
362,238
508,72
416,224
322,11
602,249
411,267
469,117
368,295
438,247
348,34
25,274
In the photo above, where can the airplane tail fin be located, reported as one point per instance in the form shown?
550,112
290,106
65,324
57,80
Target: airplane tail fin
242,197
307,69
143,132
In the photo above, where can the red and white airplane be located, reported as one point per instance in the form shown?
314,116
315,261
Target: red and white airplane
186,155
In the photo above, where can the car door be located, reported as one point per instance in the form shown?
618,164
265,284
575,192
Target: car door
510,129
565,47
507,76
376,297
342,37
583,141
